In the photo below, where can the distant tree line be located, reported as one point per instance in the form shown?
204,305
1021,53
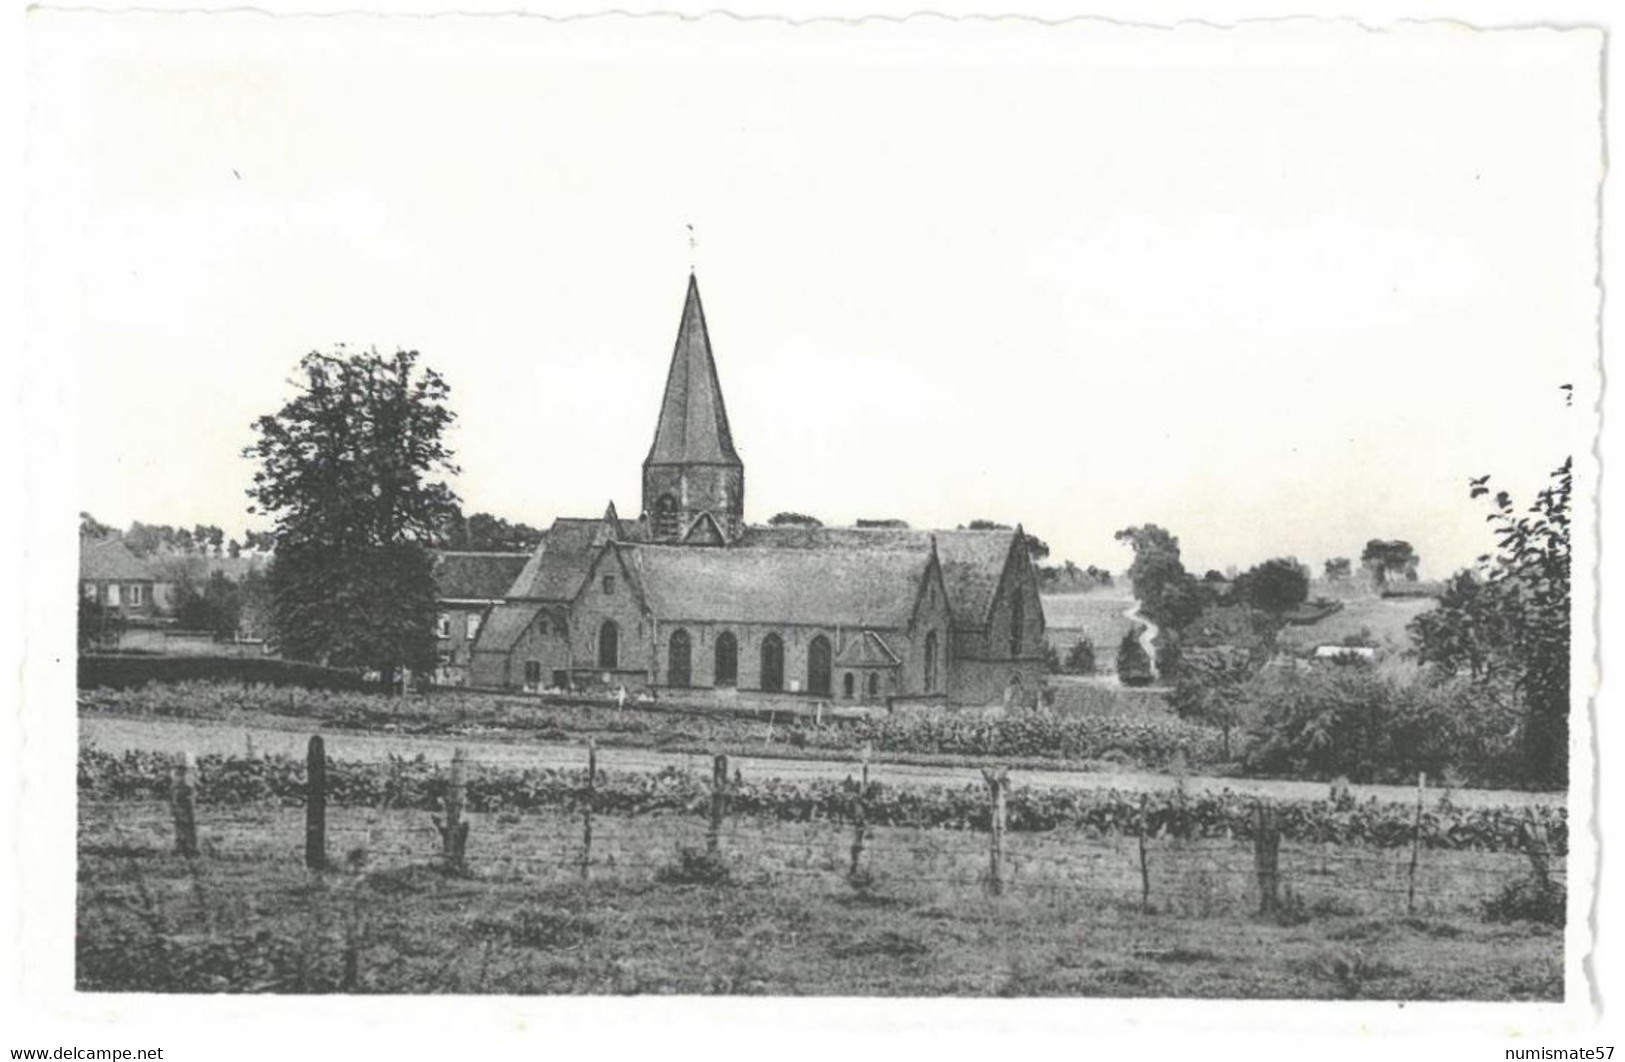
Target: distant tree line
148,540
1486,699
485,533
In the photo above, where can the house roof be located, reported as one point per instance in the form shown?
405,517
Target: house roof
503,626
559,563
822,587
972,561
469,576
868,650
693,426
110,558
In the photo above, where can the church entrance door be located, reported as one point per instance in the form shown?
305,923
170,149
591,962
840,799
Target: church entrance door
818,667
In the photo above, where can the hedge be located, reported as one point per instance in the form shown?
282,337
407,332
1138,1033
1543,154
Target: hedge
121,671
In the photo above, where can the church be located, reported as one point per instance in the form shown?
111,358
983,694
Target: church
689,602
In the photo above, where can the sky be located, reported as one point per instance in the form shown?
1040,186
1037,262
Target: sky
1279,289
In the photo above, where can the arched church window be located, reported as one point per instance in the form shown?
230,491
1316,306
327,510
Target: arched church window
848,686
772,663
1015,624
726,672
931,662
679,659
609,646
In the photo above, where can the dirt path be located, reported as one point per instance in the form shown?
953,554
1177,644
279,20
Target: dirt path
1148,635
121,733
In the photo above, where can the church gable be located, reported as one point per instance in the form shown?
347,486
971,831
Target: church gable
931,603
1015,627
609,616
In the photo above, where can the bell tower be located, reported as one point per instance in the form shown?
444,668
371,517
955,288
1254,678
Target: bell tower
692,469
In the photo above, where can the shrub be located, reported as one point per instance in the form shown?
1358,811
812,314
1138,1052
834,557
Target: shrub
1529,900
1080,659
1133,665
1352,720
696,866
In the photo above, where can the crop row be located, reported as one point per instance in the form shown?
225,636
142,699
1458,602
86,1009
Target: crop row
1150,742
416,783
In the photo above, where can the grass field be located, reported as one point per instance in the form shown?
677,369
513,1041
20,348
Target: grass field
1098,616
1384,619
246,916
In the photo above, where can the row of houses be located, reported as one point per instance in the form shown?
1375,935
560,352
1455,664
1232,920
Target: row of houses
138,598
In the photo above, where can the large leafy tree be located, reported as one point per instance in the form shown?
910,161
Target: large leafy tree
1507,625
350,472
1275,587
1211,688
1389,559
1169,595
90,527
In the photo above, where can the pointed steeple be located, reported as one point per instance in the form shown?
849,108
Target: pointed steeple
693,425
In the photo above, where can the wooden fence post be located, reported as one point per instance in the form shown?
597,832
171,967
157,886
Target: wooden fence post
1538,848
454,831
182,804
316,804
1145,864
1416,843
719,803
352,950
1267,856
589,799
997,783
860,820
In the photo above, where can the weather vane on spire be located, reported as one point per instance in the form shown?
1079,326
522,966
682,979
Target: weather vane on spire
693,245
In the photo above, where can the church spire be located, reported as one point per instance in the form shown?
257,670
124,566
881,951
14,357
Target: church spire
692,467
693,424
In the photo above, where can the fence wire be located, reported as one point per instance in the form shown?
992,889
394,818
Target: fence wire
1198,876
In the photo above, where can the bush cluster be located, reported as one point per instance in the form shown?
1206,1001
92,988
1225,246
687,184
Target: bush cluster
1529,900
122,671
1357,721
